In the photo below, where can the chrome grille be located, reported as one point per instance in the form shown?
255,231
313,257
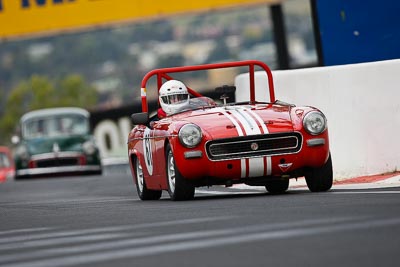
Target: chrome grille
254,145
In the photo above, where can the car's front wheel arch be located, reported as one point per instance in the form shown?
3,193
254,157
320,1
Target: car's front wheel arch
143,192
320,179
179,188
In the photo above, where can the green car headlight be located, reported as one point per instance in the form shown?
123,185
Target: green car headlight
89,147
22,152
314,122
190,135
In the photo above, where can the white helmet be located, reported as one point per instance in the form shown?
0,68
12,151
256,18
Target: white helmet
173,95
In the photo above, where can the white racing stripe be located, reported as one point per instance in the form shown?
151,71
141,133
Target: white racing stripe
256,167
251,123
269,166
243,168
265,131
259,120
237,126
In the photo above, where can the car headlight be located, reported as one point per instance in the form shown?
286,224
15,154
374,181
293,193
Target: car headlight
89,147
190,135
22,152
314,122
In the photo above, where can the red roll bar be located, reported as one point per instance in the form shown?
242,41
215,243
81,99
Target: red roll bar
164,74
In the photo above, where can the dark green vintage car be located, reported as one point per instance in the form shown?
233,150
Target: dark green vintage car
56,141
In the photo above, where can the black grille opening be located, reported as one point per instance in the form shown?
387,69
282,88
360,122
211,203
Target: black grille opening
250,146
57,162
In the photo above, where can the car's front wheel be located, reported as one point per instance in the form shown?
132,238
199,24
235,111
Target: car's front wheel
320,179
178,187
277,186
143,192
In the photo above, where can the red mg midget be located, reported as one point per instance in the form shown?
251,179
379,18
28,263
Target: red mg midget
194,142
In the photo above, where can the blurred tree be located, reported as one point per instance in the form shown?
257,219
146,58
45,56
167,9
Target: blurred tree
39,92
74,91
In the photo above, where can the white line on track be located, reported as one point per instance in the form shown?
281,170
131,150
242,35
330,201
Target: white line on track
62,237
21,231
153,245
70,201
148,240
366,192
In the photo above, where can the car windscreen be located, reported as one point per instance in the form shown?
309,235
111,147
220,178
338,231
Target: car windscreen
51,126
4,161
196,103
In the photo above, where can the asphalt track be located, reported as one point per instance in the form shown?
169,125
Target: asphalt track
99,221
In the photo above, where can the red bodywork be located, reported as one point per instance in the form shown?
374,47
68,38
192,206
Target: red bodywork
277,124
7,169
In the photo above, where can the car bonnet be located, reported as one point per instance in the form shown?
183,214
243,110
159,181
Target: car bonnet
233,121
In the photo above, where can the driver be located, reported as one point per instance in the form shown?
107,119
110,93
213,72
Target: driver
173,95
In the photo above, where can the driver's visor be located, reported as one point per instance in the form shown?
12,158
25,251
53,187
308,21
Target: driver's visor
174,99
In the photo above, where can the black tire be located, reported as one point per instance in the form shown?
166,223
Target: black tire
320,179
143,192
178,187
277,186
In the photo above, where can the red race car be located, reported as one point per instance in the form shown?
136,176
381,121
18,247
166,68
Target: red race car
196,142
7,169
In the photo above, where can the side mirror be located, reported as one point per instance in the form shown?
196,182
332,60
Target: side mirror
140,118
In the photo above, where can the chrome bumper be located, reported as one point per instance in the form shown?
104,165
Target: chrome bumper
58,170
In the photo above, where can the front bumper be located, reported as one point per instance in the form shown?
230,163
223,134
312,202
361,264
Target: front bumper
54,163
59,170
285,156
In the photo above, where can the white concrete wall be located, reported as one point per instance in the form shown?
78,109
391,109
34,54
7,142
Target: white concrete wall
362,104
